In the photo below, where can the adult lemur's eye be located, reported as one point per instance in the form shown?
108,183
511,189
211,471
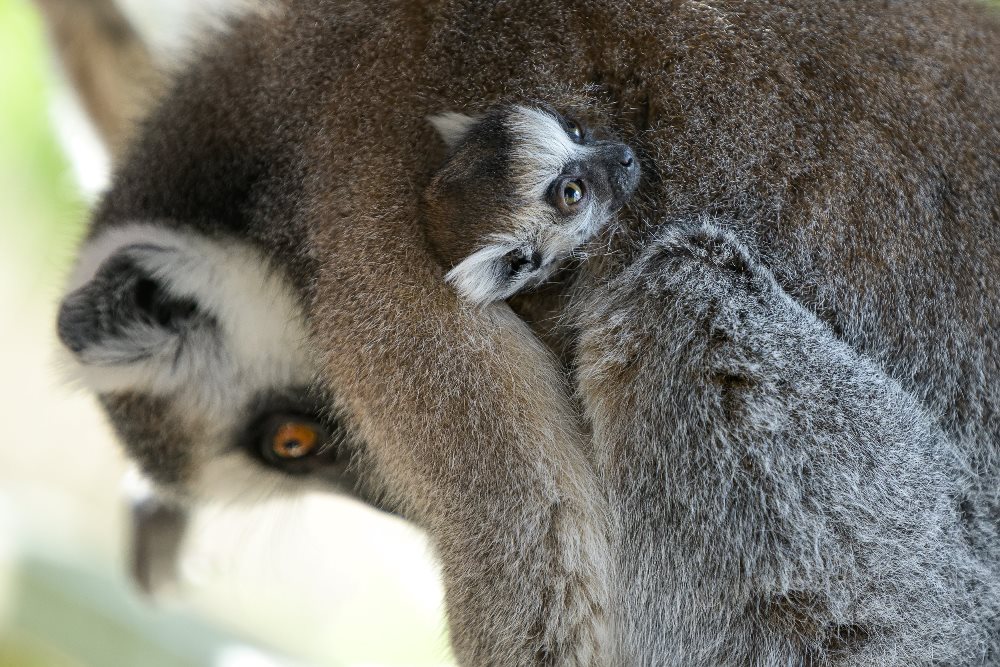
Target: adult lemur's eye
569,194
291,438
294,440
574,130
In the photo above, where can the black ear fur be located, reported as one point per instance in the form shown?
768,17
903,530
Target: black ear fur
123,314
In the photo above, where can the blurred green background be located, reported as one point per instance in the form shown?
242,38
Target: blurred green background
315,581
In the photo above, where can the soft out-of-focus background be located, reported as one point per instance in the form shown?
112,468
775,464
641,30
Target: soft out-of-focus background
315,581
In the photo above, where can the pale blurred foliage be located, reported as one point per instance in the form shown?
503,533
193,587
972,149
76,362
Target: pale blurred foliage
320,579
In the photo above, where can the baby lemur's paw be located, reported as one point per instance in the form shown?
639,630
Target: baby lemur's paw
497,272
706,254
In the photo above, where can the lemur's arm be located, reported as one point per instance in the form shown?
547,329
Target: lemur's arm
467,420
778,498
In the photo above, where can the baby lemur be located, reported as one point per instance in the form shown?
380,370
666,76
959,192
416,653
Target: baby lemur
521,189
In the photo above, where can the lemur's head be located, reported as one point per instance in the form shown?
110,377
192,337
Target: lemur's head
196,347
522,187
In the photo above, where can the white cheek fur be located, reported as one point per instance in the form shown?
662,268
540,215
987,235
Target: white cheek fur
541,150
483,276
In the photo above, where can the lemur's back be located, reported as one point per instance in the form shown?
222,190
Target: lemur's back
857,143
853,147
857,146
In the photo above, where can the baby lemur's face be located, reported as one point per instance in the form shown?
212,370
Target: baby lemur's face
521,189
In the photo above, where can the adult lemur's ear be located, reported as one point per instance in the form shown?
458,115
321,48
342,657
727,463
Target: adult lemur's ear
452,126
125,325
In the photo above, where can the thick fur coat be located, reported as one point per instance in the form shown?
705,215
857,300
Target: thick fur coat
786,349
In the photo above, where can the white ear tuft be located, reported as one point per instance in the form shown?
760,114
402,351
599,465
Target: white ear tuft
452,126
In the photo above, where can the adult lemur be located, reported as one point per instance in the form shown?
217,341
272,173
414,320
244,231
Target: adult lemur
785,348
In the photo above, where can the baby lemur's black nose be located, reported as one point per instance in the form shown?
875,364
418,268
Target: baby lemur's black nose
627,158
623,171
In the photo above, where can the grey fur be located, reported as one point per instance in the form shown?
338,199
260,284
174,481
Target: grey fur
779,500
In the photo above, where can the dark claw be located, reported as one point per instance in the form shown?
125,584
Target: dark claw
520,260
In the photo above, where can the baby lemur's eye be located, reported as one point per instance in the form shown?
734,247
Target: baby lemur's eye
569,194
574,130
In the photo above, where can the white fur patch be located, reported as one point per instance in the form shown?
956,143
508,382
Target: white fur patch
262,323
136,487
541,148
482,276
260,343
452,126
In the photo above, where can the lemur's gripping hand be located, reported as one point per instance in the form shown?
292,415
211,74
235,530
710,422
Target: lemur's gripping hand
792,491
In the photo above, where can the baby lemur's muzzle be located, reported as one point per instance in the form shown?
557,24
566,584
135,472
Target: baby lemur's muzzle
620,169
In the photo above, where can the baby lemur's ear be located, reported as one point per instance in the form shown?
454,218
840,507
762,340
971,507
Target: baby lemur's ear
452,126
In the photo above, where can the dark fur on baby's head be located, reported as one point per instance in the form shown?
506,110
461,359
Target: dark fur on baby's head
521,189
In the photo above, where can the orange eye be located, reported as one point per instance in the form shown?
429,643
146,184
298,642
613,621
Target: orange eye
293,440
